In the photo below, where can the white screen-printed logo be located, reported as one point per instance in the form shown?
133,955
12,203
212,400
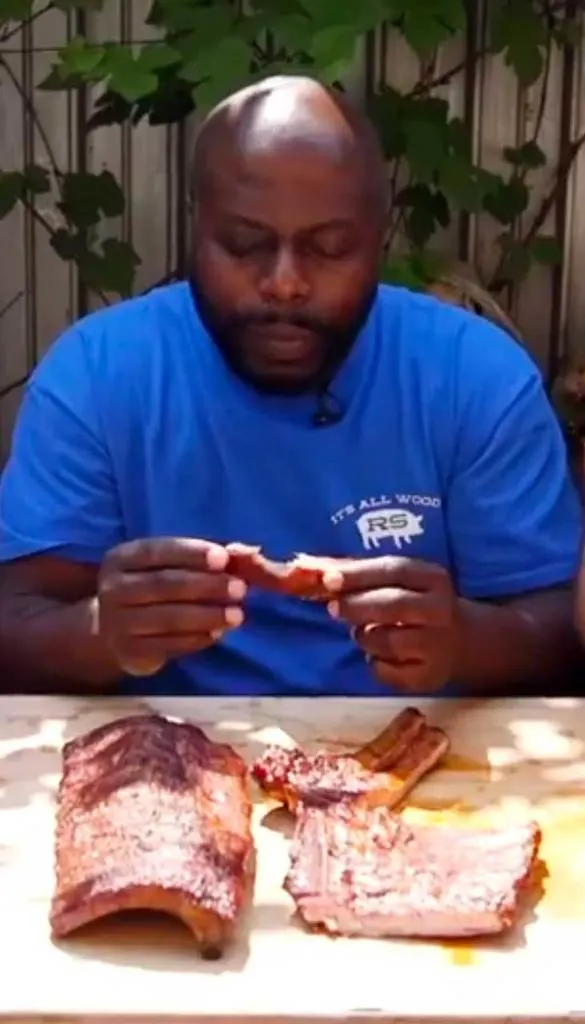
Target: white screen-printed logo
397,524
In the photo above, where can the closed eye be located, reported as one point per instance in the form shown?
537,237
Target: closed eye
248,244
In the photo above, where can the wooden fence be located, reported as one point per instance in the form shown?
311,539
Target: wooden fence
43,293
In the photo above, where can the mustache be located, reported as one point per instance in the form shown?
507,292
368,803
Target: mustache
300,320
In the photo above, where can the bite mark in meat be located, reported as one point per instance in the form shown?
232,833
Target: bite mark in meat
364,871
153,815
302,576
406,750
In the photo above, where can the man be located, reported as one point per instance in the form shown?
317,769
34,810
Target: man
282,398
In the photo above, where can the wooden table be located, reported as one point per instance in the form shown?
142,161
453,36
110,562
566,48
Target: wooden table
510,760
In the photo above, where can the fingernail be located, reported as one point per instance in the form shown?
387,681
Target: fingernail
217,634
234,616
217,558
236,589
333,609
332,580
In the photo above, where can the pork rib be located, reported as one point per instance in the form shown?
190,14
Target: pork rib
364,871
302,576
383,772
153,815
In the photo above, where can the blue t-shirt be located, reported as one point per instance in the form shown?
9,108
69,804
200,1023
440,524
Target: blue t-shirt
133,426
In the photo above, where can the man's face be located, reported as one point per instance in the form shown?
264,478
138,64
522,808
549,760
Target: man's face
285,263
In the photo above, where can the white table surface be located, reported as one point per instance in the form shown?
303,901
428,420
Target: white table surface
511,760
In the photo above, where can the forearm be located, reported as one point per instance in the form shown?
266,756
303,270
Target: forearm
523,642
50,647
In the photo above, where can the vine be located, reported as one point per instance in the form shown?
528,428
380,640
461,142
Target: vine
207,48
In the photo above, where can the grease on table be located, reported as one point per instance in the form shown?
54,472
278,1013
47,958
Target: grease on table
563,850
559,890
453,762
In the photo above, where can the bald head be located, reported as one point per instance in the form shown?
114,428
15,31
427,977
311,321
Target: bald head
284,113
289,211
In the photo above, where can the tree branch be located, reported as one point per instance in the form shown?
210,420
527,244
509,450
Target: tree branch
11,302
550,199
30,110
547,204
4,392
10,33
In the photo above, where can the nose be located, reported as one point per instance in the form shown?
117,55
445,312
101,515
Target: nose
284,282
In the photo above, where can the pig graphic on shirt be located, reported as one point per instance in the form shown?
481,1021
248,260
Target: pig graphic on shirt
397,524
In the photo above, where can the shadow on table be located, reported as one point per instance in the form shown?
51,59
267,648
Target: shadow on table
160,942
154,942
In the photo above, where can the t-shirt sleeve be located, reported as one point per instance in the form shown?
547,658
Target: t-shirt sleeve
58,493
514,517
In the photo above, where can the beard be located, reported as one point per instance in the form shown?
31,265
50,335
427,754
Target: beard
233,334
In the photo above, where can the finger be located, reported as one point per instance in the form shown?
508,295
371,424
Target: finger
169,620
412,678
371,573
171,585
399,645
145,656
169,553
389,606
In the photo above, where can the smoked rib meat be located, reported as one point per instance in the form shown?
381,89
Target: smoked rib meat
153,815
383,772
363,871
302,576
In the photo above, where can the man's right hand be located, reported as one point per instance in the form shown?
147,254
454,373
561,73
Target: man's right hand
163,598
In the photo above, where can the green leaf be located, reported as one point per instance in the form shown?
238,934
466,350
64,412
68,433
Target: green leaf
15,10
126,75
79,57
568,32
294,32
427,210
464,185
205,23
109,269
426,133
359,17
507,201
425,147
86,198
72,5
155,56
426,24
333,48
10,191
518,31
401,273
516,261
277,8
218,71
546,249
69,245
386,109
113,270
529,156
459,138
415,270
58,81
36,180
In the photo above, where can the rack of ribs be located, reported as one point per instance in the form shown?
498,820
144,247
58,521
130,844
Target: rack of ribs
153,815
302,576
363,871
382,773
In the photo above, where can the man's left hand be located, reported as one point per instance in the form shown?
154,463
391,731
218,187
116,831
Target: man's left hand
404,614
